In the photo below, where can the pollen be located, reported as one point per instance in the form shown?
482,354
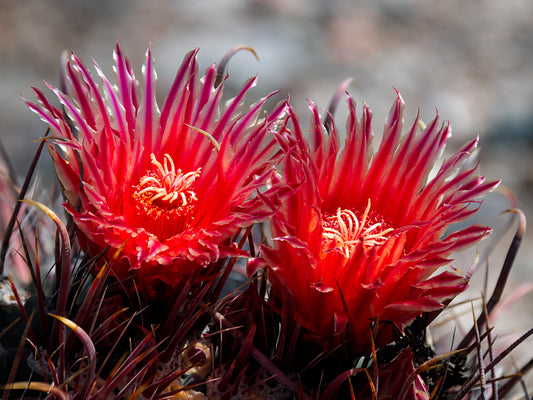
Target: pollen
347,228
165,198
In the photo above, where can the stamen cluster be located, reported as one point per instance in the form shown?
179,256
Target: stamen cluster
168,187
343,230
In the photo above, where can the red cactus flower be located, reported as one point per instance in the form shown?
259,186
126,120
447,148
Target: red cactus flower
364,235
172,187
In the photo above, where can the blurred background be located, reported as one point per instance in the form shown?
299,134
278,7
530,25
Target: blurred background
471,59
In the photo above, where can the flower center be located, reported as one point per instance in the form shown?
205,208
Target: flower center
165,198
346,229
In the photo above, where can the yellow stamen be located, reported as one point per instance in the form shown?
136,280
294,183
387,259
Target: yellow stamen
168,186
164,199
344,230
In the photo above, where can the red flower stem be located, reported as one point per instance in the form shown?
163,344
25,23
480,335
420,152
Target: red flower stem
328,393
64,272
16,210
221,68
23,313
494,379
219,286
502,279
16,360
420,369
276,373
466,388
481,364
510,384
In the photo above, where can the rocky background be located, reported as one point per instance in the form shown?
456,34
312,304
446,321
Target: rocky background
471,59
